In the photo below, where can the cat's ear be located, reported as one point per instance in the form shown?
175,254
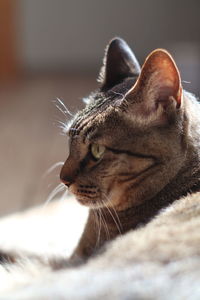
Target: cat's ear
159,82
119,63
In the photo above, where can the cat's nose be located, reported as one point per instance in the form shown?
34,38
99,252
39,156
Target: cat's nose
66,177
67,181
69,172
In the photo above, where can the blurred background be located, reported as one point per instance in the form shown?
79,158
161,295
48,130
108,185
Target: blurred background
51,49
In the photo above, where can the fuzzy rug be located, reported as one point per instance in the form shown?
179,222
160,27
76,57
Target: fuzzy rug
158,261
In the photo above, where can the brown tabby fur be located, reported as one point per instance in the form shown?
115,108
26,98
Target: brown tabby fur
150,128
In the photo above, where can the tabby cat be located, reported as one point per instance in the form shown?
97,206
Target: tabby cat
134,149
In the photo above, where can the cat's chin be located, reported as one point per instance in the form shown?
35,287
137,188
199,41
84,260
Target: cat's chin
89,203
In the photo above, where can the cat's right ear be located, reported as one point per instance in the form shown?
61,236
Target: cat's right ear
119,63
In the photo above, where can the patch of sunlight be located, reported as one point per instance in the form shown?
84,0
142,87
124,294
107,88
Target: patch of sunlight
52,230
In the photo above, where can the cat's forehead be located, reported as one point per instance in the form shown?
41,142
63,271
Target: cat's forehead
101,110
91,121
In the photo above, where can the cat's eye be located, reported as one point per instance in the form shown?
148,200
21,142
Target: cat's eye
97,150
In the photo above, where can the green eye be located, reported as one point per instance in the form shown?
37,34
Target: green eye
97,150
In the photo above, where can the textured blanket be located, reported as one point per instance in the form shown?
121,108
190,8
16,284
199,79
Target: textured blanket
158,261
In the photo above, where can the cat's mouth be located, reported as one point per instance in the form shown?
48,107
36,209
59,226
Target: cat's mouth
87,195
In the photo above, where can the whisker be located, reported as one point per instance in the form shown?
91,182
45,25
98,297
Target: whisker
64,195
52,168
105,225
60,109
68,126
62,133
66,110
62,124
114,210
62,128
117,222
59,188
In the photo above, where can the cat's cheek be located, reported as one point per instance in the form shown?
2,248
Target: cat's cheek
116,197
121,197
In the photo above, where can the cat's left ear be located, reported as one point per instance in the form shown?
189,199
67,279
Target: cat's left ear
159,82
119,63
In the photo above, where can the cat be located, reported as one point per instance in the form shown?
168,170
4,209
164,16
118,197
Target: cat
135,148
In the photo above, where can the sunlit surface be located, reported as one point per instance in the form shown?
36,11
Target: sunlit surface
47,230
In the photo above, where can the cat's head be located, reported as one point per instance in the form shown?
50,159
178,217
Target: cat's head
128,143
